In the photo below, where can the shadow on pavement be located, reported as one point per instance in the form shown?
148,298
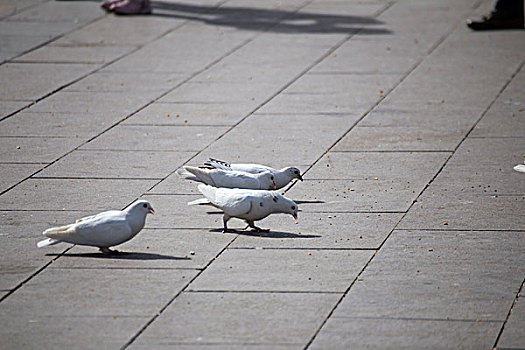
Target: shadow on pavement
265,19
122,256
270,234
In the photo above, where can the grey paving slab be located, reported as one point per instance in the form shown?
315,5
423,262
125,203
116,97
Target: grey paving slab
11,7
127,82
20,258
156,138
383,165
96,292
30,224
219,346
348,333
189,113
36,149
35,80
73,194
108,104
63,124
439,275
57,11
14,173
68,331
321,231
116,164
9,107
466,212
74,54
262,319
26,30
505,117
282,270
174,213
153,248
292,139
512,336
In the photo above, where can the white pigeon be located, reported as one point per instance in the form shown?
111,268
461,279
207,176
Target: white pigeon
229,179
249,205
520,168
103,230
282,177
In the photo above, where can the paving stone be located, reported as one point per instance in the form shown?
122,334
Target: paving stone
68,331
321,231
127,82
156,138
13,46
505,117
74,54
153,248
74,12
10,7
512,336
172,211
30,224
261,319
25,31
35,80
369,165
14,173
73,194
36,149
108,104
116,164
466,212
100,292
363,333
439,275
20,258
9,107
292,139
217,346
282,270
401,138
63,124
190,113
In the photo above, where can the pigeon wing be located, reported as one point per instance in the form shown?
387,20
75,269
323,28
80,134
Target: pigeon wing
234,202
101,231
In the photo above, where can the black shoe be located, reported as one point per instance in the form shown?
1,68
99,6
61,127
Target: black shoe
496,20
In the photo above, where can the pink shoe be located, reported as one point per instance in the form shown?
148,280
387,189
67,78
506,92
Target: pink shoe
131,7
106,5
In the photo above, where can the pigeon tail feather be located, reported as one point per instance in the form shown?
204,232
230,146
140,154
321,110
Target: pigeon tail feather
46,242
218,164
57,233
201,175
200,201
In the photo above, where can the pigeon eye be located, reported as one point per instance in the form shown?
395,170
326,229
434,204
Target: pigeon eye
145,205
293,207
296,172
271,177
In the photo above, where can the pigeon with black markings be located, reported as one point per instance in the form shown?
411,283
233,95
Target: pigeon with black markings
282,177
103,230
248,205
229,179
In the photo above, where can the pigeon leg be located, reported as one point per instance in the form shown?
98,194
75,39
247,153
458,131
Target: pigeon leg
106,250
255,228
226,229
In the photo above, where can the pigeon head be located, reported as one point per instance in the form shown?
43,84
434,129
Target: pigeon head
267,180
286,206
141,206
293,173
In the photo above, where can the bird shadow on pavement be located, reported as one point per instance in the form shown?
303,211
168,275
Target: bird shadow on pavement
269,234
253,18
122,256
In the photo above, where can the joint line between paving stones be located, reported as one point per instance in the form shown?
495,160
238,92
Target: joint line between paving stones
518,295
19,285
261,291
434,47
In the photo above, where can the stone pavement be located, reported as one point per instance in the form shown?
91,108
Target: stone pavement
405,123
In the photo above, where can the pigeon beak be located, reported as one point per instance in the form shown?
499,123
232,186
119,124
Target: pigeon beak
300,178
294,216
151,211
274,186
